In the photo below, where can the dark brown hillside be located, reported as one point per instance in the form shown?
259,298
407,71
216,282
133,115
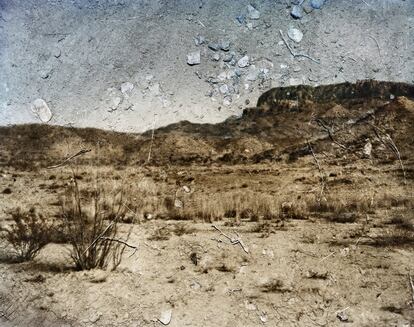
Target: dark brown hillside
337,119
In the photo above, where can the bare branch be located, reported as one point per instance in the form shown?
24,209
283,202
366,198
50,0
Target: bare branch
294,54
64,162
233,241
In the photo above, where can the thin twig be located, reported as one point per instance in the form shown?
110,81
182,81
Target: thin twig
152,141
233,241
379,49
322,124
122,242
391,144
294,54
97,239
412,287
321,173
64,162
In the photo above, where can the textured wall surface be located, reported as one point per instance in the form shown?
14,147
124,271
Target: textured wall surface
122,64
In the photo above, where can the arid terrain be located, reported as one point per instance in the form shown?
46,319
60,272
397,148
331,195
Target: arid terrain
299,212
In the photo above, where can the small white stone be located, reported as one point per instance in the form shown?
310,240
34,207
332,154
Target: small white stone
295,34
243,62
253,13
194,58
165,317
42,110
127,87
224,89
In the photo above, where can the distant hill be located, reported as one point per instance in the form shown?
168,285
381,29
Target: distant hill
339,120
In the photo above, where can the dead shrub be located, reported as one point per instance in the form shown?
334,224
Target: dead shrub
92,228
161,234
29,233
296,210
275,286
182,229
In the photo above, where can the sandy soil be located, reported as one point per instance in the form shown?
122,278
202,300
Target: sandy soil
296,272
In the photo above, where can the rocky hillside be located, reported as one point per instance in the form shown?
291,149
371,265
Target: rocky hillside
368,119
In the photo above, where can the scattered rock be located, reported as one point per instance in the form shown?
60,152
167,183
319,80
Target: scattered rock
367,149
95,317
214,46
7,190
241,19
199,40
194,58
342,316
250,306
194,258
253,74
44,74
296,12
127,87
216,57
148,216
253,13
295,34
228,57
178,203
224,89
227,100
317,4
225,45
186,189
42,110
263,317
116,101
307,7
165,317
243,62
195,285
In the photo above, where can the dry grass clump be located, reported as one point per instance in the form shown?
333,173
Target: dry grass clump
275,286
240,205
29,233
161,234
91,226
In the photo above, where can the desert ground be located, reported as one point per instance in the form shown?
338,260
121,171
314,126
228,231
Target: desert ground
298,213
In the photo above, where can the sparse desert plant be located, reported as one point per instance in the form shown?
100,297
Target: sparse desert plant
92,228
29,233
161,234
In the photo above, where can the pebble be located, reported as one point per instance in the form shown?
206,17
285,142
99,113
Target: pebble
228,57
126,87
241,19
227,100
252,75
214,46
224,89
44,74
199,40
216,57
296,12
295,34
253,13
42,110
243,62
178,203
194,58
165,317
342,316
225,45
317,4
